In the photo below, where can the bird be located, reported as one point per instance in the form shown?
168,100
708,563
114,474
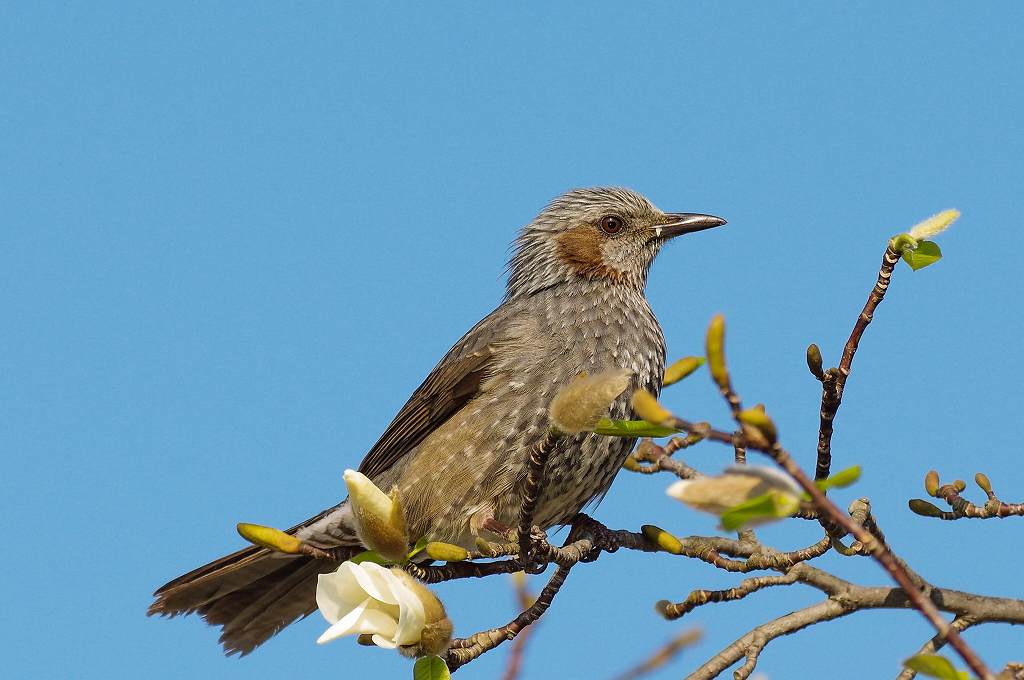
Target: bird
457,452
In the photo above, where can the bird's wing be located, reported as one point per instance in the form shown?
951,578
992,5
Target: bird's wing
452,383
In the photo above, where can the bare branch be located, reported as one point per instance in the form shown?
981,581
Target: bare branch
834,380
961,507
845,598
465,650
663,655
935,644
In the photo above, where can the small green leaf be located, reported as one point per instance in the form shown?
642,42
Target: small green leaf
769,506
935,666
840,479
368,556
927,253
632,428
430,668
418,548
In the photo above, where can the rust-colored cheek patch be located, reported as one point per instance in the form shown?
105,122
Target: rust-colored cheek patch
580,248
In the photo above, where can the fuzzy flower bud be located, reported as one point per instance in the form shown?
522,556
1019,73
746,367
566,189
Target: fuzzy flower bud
934,225
738,484
388,605
380,522
579,405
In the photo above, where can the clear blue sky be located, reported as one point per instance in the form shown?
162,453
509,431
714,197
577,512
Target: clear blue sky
235,237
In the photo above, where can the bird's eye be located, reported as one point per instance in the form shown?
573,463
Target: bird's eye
611,224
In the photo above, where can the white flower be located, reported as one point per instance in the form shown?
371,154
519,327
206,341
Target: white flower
380,522
934,225
387,604
738,484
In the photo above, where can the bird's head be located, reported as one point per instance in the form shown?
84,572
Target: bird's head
609,234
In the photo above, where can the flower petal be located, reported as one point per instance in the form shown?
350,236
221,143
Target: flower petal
411,617
773,478
383,642
378,582
363,619
339,592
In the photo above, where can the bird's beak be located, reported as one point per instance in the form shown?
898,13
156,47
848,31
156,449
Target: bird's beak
676,224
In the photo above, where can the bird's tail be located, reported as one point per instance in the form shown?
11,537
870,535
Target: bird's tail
251,594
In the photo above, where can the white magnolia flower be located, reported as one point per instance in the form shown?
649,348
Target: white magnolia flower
387,604
738,484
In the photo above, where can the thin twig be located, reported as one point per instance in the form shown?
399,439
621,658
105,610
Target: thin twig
834,381
524,600
662,655
697,598
935,644
464,651
845,598
884,556
878,549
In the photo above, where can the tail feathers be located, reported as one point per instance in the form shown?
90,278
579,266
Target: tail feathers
252,594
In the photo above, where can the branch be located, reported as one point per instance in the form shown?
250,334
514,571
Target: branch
662,656
698,597
833,381
465,650
845,598
525,600
935,644
961,507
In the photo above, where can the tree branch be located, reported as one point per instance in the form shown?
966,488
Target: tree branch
834,380
845,598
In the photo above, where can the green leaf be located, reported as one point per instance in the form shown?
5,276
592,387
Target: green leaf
769,506
418,548
430,668
840,479
368,556
935,666
927,253
632,428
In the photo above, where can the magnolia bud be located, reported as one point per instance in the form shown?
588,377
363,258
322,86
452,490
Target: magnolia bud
585,400
379,520
924,508
648,408
814,361
446,552
681,369
716,351
270,538
756,418
663,539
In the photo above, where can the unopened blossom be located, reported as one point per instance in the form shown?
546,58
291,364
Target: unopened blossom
379,519
738,484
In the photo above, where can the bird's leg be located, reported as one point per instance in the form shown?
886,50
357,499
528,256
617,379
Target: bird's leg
532,487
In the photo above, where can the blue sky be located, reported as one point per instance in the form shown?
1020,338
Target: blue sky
235,237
